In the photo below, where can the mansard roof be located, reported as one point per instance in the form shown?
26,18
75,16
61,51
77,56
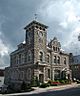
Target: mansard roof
21,47
64,53
36,22
76,59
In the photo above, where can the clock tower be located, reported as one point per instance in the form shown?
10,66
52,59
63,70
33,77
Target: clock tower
36,39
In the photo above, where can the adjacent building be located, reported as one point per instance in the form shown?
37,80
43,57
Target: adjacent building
36,58
1,77
75,66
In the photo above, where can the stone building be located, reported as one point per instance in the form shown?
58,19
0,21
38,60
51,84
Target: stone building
75,66
37,58
1,77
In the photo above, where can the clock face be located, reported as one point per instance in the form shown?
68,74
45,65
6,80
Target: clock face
40,34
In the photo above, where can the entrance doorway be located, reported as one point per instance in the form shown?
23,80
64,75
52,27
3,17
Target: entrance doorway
41,78
63,75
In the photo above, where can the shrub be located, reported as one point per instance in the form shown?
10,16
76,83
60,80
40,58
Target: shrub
67,81
25,87
49,82
35,81
62,81
44,85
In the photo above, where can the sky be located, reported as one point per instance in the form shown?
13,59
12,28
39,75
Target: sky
62,17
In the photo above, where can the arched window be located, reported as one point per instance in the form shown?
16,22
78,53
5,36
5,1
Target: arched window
48,73
22,58
58,60
25,56
19,58
41,56
64,60
29,74
22,75
48,59
29,56
53,48
54,59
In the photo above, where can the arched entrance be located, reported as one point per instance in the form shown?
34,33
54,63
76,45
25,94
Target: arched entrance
56,74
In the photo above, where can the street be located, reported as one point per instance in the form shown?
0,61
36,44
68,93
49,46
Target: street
67,92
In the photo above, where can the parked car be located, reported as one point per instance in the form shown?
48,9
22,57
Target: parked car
3,88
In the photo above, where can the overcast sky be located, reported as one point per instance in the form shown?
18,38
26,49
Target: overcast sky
62,17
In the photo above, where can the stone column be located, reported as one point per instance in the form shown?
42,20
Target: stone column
53,74
44,75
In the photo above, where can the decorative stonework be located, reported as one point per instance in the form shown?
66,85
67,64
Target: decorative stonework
36,58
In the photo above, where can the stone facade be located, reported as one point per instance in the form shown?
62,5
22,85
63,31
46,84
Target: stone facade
37,58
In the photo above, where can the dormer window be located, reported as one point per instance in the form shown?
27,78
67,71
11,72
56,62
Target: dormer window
58,49
53,48
58,60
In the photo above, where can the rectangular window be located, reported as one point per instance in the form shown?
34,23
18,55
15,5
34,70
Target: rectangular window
48,73
64,60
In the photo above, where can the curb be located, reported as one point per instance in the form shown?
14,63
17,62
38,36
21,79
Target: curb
40,90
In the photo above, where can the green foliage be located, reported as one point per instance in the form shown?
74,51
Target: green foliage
35,81
44,85
49,82
67,81
25,86
62,81
59,82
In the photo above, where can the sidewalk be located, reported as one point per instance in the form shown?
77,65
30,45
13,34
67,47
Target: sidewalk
40,90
